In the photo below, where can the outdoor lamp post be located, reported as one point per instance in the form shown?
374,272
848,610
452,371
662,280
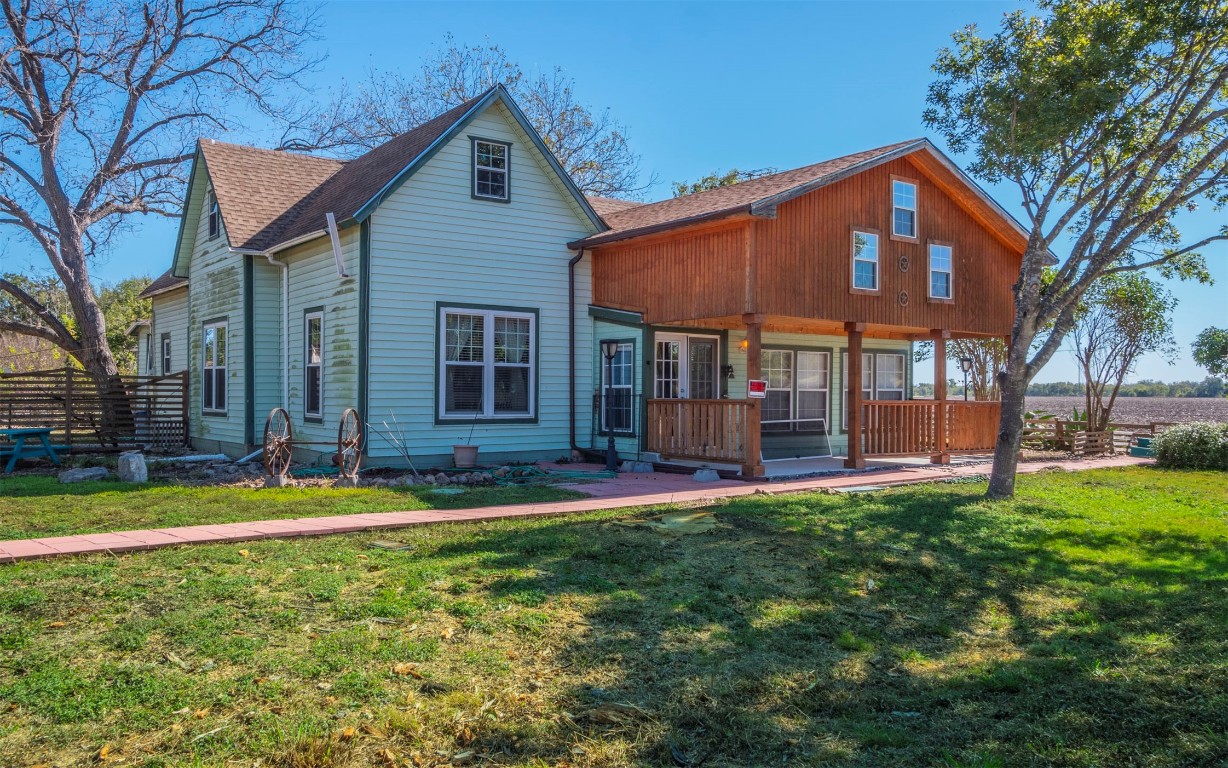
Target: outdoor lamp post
966,364
609,349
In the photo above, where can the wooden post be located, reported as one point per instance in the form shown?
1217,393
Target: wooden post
753,460
856,458
940,454
68,406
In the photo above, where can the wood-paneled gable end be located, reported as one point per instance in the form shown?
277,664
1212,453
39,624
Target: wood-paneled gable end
794,268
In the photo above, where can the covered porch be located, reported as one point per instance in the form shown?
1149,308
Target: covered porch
847,422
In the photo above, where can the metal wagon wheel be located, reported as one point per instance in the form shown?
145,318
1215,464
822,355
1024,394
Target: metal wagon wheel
349,443
278,443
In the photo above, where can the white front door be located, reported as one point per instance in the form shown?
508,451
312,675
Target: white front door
686,366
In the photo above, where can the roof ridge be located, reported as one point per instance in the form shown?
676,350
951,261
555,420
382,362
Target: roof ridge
298,155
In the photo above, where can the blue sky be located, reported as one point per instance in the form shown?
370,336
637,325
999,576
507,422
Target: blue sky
700,86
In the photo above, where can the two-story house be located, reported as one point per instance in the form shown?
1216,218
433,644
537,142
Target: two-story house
456,280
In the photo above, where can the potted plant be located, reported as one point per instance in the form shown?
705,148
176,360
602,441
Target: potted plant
465,456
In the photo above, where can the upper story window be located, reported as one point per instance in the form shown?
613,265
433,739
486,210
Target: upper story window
940,271
903,209
215,215
865,260
213,369
313,336
490,170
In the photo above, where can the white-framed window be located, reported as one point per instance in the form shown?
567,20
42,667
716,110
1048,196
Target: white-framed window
618,390
490,170
813,390
940,271
166,354
213,368
865,260
903,209
313,364
889,377
487,368
149,355
776,368
214,214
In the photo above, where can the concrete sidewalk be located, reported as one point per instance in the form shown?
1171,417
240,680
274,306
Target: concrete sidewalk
628,490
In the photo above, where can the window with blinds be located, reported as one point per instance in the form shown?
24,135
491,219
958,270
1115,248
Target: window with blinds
487,365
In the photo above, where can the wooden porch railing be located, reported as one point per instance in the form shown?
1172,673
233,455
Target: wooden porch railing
715,430
142,410
903,427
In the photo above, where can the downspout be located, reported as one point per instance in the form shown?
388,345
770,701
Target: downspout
571,347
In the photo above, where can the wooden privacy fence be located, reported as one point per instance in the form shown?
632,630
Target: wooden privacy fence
127,410
716,430
904,427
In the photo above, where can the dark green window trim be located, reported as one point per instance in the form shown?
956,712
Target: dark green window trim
601,364
441,420
473,170
249,351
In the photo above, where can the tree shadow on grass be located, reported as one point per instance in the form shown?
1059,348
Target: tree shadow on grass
910,628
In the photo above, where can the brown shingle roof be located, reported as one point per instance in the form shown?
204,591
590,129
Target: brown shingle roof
164,282
604,206
258,188
735,198
270,197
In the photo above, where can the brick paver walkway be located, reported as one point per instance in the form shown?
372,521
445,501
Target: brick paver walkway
628,490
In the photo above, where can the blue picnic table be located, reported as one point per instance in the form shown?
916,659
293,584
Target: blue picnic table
20,450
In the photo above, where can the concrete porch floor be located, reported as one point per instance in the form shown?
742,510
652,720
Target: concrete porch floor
779,469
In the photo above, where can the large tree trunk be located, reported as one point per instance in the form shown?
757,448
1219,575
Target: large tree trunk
1013,384
95,356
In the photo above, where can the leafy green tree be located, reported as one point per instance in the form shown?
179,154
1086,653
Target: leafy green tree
1110,117
718,179
122,306
1121,317
1211,351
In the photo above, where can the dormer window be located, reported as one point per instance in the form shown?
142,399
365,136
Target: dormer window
214,214
490,170
903,209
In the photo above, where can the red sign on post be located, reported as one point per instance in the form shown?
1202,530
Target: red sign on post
756,388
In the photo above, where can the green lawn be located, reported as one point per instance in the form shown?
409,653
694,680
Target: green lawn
34,506
1083,624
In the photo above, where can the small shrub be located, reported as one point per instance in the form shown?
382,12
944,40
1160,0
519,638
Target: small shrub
1198,445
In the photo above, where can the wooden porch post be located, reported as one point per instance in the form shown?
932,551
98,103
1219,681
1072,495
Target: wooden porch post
753,461
856,458
940,454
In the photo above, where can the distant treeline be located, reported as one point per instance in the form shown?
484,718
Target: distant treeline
1208,387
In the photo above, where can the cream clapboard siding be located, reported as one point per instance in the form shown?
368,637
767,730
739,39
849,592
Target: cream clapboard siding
170,316
587,400
432,242
837,344
266,336
215,287
314,283
142,353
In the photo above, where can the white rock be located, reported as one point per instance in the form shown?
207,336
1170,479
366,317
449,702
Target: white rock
132,467
83,475
706,476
